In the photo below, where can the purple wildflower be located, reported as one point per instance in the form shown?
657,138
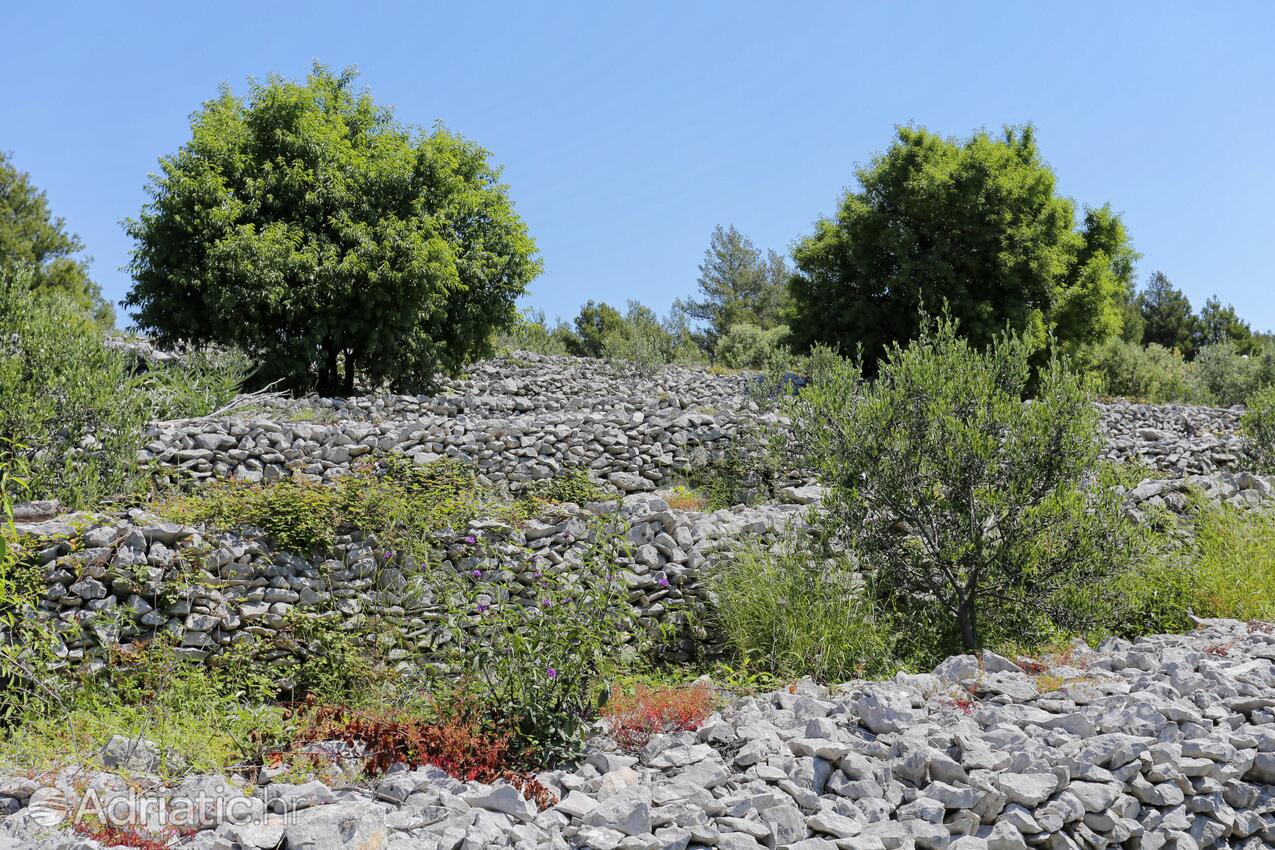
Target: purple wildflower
546,603
663,582
482,608
551,673
537,575
471,539
477,574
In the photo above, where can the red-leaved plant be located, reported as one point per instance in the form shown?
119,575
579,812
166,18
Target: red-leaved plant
457,746
110,835
634,718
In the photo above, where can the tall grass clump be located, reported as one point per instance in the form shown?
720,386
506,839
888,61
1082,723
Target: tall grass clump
72,403
1231,560
792,614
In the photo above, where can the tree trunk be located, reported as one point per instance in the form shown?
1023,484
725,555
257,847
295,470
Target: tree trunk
349,373
967,620
327,378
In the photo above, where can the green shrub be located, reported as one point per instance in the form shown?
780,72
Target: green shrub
640,338
540,671
68,400
965,504
401,504
326,662
570,485
1227,377
26,641
791,614
1153,373
1258,424
197,383
530,332
746,473
296,514
746,346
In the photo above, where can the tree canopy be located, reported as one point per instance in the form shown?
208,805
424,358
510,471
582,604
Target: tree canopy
1166,315
737,285
31,237
975,227
1219,323
307,226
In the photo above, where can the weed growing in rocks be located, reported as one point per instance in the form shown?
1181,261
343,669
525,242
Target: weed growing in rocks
399,503
633,718
571,485
791,614
455,743
540,669
197,719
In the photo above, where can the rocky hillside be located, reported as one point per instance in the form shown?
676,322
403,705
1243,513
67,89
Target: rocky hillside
1168,742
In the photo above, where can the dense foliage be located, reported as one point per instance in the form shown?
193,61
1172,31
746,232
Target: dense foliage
1152,373
1166,316
737,285
973,227
1259,426
748,346
70,402
31,237
309,228
952,489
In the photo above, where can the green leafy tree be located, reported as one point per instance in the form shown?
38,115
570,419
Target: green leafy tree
737,285
328,241
1167,316
1218,323
34,240
961,499
974,225
592,326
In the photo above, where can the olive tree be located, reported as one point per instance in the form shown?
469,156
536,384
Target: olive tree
309,228
958,494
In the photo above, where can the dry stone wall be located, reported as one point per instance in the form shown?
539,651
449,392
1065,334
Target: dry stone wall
527,417
114,579
518,419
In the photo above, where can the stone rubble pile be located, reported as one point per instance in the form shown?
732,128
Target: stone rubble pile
517,419
1166,742
1174,438
527,417
112,578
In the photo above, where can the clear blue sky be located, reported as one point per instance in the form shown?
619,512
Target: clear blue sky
627,130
